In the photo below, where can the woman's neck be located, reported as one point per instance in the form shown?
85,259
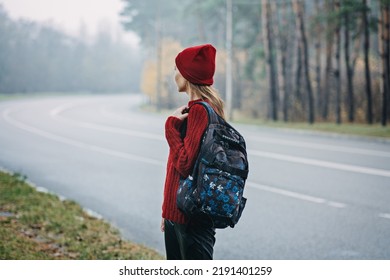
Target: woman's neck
193,95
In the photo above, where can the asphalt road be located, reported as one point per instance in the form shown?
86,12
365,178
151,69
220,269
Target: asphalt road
310,196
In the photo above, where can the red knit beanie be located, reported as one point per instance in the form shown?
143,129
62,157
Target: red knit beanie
197,64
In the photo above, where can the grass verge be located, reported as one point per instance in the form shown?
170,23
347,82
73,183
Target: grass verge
375,130
354,129
35,225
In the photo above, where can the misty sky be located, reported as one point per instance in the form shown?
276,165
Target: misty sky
68,14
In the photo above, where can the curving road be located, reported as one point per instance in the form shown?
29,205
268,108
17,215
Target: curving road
310,196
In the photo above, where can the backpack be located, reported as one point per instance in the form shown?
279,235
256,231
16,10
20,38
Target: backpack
215,187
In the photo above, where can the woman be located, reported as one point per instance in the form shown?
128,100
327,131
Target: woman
194,71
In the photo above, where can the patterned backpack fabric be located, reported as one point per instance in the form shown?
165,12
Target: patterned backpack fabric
216,185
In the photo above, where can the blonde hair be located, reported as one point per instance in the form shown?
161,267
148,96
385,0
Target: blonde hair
212,95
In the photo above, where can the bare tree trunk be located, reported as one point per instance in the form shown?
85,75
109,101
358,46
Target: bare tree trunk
337,71
284,42
281,51
350,89
268,47
298,96
384,45
303,45
328,68
318,48
356,50
387,46
381,37
367,62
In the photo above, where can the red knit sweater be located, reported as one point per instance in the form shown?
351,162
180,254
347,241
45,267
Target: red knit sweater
182,156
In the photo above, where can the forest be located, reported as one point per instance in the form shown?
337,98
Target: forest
279,60
288,60
37,57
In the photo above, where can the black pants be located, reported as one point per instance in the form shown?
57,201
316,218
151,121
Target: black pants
189,242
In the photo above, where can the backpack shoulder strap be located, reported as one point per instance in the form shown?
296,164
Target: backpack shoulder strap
212,115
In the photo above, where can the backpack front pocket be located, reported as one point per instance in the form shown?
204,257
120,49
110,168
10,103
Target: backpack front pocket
221,193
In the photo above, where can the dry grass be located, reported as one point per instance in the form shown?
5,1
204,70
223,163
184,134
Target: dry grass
35,225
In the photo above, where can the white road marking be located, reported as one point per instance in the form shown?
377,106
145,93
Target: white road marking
320,146
296,195
61,108
93,213
55,114
153,136
322,163
336,204
79,144
384,215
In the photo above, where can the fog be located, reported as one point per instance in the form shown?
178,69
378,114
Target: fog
38,57
291,60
